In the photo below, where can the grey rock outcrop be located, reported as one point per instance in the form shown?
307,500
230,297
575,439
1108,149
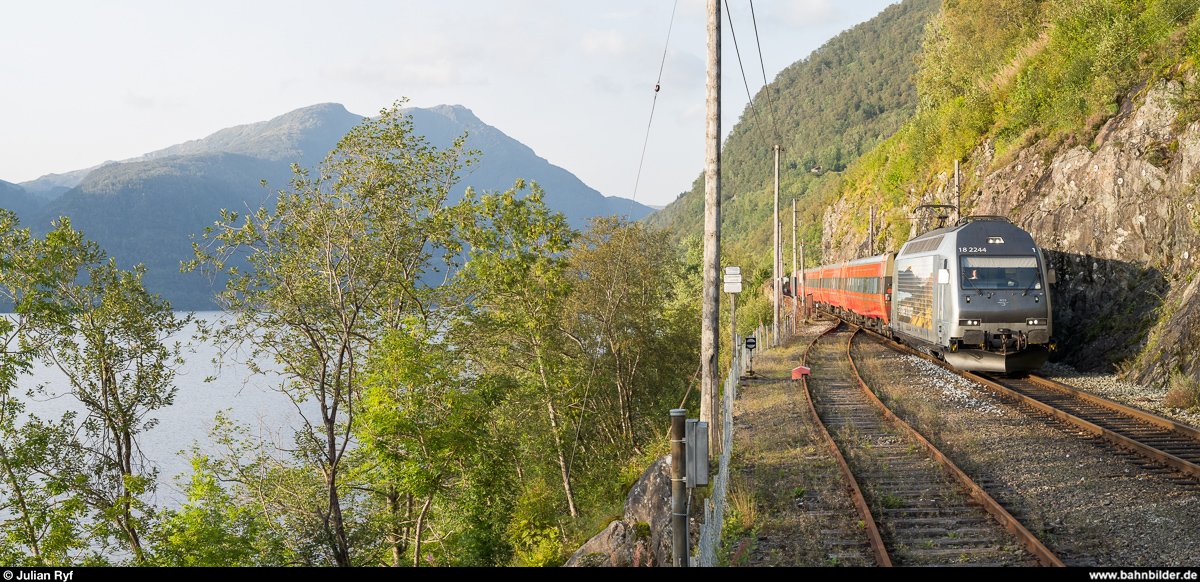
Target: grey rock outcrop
643,537
1120,222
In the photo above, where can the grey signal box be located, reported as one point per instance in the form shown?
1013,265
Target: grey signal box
696,435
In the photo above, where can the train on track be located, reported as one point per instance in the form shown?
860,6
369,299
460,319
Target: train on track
975,294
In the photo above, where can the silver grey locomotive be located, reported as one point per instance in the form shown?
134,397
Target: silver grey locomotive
975,294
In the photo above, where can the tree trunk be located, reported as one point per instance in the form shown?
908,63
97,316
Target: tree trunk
395,530
562,459
23,508
420,524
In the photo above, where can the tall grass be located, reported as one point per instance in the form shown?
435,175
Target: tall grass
1183,392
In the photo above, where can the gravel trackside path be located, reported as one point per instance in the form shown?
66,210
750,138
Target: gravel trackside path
787,501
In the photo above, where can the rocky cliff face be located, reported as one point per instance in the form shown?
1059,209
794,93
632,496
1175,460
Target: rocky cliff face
1118,220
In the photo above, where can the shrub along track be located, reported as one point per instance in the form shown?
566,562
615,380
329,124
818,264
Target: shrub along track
928,511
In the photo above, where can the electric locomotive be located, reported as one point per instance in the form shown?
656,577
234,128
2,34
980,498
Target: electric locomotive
974,294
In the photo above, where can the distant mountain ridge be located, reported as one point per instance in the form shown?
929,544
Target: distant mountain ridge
143,210
52,186
506,159
310,130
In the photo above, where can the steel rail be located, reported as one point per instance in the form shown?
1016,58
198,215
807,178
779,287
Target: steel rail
860,502
1001,515
1142,415
1114,438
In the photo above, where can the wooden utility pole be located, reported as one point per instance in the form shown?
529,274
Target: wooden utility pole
957,198
871,235
778,263
793,278
710,387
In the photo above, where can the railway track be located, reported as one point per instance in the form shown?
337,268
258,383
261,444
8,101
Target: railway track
1171,446
1166,446
916,507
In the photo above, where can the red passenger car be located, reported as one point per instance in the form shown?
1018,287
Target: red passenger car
860,290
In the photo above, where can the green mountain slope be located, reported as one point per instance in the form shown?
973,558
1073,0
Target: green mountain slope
146,212
16,198
1002,77
830,108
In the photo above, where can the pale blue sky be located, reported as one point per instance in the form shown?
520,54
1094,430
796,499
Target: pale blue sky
85,82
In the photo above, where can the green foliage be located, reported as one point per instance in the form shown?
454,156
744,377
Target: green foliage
969,42
597,332
516,266
212,530
538,545
76,489
46,524
623,316
425,435
452,415
476,422
1021,73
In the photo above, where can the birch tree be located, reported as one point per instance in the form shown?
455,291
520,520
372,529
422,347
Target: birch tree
346,253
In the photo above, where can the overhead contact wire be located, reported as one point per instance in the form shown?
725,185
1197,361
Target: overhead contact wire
657,84
745,82
766,87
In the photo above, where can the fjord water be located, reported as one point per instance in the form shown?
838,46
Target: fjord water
250,399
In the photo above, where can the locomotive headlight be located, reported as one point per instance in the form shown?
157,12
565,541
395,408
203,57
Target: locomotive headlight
995,240
1036,321
968,322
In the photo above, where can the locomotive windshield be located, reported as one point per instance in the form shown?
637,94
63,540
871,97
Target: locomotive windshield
1016,273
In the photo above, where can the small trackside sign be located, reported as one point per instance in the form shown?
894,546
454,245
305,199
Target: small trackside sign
733,279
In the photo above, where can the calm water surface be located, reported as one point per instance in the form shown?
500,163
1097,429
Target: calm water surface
250,399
